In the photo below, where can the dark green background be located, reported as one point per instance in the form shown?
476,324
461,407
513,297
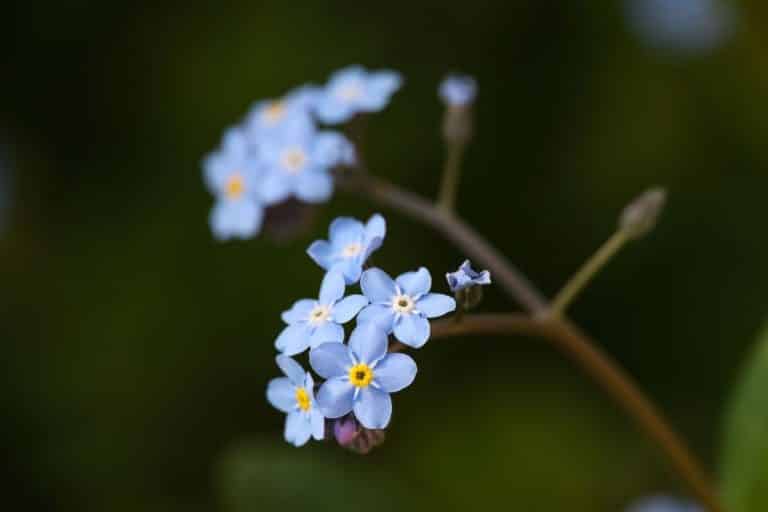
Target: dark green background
136,350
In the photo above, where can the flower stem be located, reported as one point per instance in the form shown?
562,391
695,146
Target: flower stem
585,274
451,173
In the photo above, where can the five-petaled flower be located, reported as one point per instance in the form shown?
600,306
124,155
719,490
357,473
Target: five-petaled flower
361,376
458,90
402,306
233,175
294,395
353,90
312,322
349,245
466,277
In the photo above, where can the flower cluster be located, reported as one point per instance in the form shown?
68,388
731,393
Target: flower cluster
361,374
278,152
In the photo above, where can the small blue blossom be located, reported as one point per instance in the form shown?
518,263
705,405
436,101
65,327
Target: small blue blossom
458,90
361,376
402,306
298,164
353,90
664,504
349,245
312,322
290,114
233,175
466,277
294,395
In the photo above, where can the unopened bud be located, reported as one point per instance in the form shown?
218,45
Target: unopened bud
639,217
354,437
458,93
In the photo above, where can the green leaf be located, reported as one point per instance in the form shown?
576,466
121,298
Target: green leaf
745,449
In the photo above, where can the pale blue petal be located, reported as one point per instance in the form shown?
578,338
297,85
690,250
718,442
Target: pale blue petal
318,423
435,304
395,372
298,429
294,339
373,408
380,87
291,369
346,309
314,186
332,288
236,219
335,397
412,330
330,149
331,111
275,188
330,360
377,286
380,314
321,251
281,393
376,227
368,343
299,312
415,283
345,230
351,269
327,332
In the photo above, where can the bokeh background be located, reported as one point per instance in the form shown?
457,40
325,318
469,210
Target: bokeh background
136,350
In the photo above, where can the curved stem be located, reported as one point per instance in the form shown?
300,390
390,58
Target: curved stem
562,333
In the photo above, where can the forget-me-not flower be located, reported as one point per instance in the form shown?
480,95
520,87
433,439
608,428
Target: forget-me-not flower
349,245
353,90
458,90
289,114
294,395
298,164
664,504
361,376
466,277
233,175
312,322
402,306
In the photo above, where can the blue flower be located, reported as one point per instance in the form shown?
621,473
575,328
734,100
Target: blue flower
312,322
361,376
233,176
349,245
466,277
402,306
298,163
353,90
663,504
287,115
294,395
458,90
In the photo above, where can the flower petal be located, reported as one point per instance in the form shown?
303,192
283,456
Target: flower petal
346,309
330,360
373,408
351,269
415,283
395,372
332,288
275,188
435,304
291,369
377,285
317,420
327,332
281,393
320,251
335,397
368,343
294,339
376,227
412,330
381,315
345,230
297,428
236,219
314,186
299,311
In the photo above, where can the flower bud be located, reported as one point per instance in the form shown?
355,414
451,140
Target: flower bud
639,217
354,437
458,93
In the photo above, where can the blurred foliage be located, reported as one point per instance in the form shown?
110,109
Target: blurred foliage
137,350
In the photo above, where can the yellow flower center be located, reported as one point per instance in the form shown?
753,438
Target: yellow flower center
351,250
403,304
360,375
319,314
302,399
350,92
235,186
293,160
274,112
